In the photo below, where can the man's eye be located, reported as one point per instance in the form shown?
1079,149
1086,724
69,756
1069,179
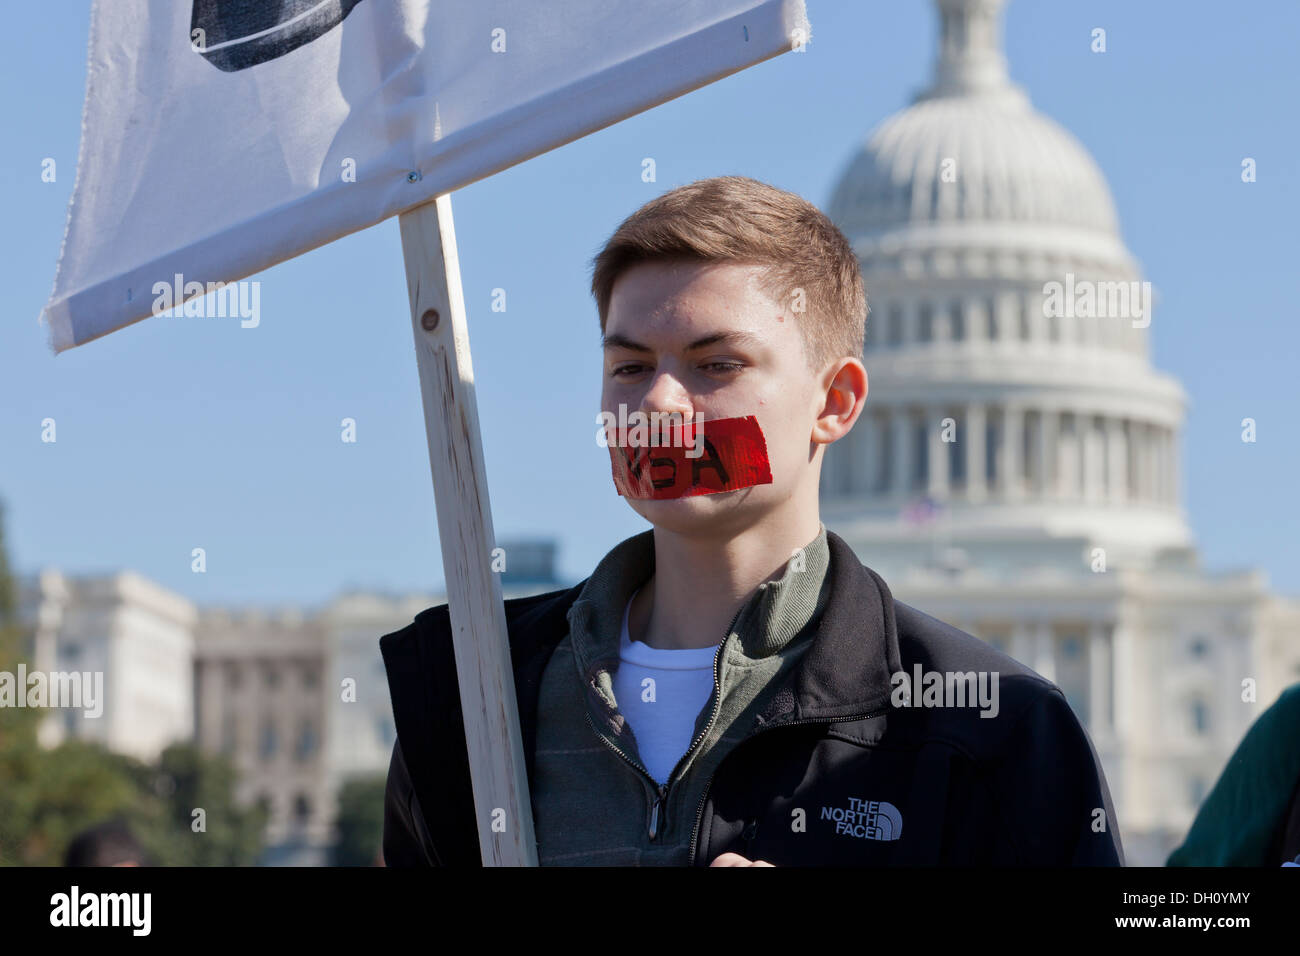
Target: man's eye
626,369
725,366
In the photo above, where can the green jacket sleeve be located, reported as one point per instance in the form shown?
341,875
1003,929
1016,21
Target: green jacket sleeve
1240,821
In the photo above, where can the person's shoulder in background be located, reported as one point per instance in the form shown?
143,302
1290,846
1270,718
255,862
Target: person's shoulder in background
1252,816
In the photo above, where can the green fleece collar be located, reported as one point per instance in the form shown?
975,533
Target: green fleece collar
776,612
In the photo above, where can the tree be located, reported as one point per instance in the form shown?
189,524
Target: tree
17,724
360,821
193,781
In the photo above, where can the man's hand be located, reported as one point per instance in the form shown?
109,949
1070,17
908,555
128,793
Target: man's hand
735,859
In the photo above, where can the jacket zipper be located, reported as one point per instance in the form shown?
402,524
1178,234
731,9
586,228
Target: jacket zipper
752,828
750,834
661,790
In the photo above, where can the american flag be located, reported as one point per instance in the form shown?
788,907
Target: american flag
921,510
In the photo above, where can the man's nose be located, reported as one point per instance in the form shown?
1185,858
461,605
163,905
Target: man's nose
666,395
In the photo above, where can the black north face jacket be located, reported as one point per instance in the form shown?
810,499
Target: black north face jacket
833,773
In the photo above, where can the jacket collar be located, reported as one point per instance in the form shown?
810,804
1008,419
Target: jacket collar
776,612
846,670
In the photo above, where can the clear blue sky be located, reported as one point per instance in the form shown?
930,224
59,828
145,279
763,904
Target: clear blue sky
173,435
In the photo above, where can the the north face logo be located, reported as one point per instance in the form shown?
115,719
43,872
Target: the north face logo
866,819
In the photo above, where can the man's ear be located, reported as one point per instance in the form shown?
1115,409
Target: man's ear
845,383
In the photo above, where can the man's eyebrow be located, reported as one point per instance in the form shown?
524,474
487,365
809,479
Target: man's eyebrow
617,341
734,337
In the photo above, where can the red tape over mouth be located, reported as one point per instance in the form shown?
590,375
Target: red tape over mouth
733,456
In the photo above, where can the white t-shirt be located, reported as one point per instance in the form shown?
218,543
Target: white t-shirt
661,693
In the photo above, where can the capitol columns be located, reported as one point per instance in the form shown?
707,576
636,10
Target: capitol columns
1022,644
1146,464
1048,424
1153,462
976,427
1158,446
1012,440
1116,467
1100,674
980,323
1174,471
866,453
1170,467
1161,463
1092,446
937,453
900,434
1044,650
1123,671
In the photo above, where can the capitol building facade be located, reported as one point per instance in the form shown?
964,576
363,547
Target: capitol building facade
1016,468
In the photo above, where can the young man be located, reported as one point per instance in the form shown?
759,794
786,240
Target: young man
733,686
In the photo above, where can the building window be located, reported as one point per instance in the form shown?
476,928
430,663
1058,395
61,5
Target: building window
1025,333
384,728
228,738
269,742
310,677
1200,716
958,322
895,330
1071,648
925,328
233,676
307,742
301,809
271,674
1196,791
1199,647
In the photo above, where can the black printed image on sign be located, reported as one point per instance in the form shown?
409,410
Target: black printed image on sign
236,34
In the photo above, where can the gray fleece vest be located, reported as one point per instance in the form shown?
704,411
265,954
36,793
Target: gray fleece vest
595,805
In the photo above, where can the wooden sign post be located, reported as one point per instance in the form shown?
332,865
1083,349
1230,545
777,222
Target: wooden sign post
482,648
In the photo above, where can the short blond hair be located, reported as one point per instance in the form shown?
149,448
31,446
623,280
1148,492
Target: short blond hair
741,220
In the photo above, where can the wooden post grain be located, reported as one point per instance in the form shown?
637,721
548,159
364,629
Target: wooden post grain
487,687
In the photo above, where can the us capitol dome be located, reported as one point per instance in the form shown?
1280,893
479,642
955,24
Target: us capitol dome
1016,468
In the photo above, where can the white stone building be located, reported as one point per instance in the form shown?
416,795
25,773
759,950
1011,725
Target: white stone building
137,635
1016,471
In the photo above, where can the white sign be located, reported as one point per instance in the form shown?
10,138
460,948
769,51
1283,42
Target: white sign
223,136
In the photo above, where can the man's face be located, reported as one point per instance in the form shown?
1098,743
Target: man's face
691,338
